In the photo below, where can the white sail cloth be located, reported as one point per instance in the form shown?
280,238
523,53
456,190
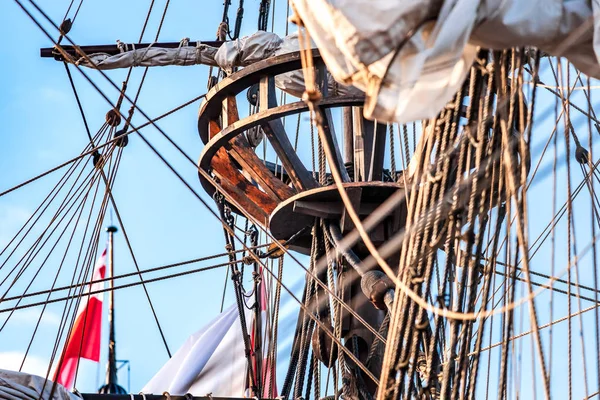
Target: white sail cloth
212,360
236,53
359,39
21,386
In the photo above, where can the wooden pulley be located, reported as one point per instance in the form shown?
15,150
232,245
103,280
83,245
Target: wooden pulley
324,348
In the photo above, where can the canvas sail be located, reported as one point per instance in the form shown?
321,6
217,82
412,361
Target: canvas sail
411,57
211,360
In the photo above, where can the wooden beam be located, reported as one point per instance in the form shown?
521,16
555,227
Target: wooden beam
327,129
348,136
377,153
275,132
355,194
244,154
363,144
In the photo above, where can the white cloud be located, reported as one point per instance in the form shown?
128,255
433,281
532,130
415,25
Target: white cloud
11,360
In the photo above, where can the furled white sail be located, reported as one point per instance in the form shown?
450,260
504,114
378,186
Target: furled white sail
235,53
21,386
411,56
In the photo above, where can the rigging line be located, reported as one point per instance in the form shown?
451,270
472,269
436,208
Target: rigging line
232,232
162,20
64,205
99,147
140,41
554,279
82,206
127,275
114,205
575,106
550,287
87,128
539,163
108,183
68,9
547,325
88,260
551,225
62,51
119,287
66,200
325,329
57,275
307,65
146,21
414,297
583,87
41,265
77,11
50,197
29,254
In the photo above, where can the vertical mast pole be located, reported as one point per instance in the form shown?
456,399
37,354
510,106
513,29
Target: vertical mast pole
111,369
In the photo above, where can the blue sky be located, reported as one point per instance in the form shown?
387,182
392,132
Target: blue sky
41,128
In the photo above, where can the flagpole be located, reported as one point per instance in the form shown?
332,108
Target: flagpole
112,385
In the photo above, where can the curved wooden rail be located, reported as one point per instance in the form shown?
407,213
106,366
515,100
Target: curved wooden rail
232,160
236,83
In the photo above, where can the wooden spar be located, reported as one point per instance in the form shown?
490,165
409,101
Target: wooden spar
113,49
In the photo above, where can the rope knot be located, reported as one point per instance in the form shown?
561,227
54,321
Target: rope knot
312,96
121,46
184,42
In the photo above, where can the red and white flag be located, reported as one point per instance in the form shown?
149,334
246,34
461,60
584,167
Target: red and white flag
84,341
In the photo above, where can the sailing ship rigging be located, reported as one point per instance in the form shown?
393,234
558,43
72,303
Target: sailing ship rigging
398,154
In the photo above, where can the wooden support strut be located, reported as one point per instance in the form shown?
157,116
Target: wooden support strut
275,132
241,151
326,126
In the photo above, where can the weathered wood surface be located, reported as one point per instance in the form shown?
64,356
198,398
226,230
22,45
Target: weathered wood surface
246,77
275,132
326,128
224,136
243,153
